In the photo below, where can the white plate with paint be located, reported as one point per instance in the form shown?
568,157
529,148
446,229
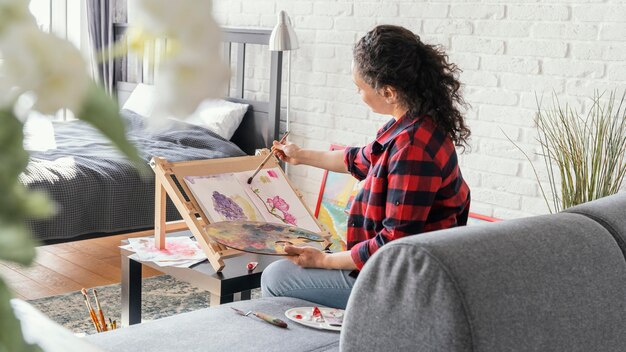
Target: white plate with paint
332,318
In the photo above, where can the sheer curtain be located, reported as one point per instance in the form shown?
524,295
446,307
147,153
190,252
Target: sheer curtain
100,27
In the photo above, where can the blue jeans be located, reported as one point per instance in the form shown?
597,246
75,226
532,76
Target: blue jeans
326,287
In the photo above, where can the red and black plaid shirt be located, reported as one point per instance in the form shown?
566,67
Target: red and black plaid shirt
412,185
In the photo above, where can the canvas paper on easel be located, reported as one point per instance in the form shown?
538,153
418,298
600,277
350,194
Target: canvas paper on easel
228,197
275,199
222,198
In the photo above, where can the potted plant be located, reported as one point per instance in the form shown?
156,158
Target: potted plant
584,154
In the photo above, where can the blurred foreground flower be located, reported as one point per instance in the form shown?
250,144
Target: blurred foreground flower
50,68
193,69
14,11
41,72
38,72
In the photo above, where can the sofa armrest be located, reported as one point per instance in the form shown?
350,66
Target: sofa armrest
546,283
397,301
609,212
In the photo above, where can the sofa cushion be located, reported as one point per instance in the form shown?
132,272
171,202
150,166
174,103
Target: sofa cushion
221,329
610,212
547,283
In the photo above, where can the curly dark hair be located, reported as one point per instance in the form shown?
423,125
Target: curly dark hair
425,81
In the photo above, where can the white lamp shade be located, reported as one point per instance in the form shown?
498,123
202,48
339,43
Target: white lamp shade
283,36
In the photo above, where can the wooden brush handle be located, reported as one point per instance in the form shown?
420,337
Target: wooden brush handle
270,319
95,320
103,322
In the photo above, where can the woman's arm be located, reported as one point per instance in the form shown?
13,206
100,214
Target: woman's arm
410,190
331,160
309,257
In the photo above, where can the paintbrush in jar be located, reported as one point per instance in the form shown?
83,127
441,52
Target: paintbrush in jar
92,314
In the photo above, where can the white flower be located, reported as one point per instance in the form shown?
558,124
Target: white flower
41,63
184,20
193,70
185,81
14,11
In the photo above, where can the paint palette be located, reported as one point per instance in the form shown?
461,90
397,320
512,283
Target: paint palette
331,318
262,237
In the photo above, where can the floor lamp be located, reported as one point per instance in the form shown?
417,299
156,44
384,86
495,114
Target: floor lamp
283,38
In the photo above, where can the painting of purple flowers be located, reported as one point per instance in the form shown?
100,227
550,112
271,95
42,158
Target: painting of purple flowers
222,198
270,198
227,207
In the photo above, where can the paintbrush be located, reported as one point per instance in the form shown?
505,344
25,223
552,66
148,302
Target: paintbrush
282,140
266,317
92,314
103,323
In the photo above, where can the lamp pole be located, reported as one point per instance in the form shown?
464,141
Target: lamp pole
288,90
283,38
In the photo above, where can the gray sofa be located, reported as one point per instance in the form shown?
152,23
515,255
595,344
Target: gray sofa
546,283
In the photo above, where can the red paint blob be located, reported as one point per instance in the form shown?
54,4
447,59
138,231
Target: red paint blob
317,312
252,265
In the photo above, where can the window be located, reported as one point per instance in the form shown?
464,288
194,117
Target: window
66,19
41,10
62,17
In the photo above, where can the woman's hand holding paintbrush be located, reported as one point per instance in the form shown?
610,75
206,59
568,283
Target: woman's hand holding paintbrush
286,152
331,160
272,152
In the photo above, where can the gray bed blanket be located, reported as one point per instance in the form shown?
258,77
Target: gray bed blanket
94,188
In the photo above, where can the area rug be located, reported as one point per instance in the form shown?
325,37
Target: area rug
161,296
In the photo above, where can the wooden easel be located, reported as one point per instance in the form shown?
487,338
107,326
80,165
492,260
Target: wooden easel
169,181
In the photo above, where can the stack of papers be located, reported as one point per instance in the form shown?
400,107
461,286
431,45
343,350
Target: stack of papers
180,252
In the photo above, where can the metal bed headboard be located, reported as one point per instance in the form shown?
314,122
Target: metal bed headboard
261,123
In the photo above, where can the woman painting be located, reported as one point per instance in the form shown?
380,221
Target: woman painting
411,178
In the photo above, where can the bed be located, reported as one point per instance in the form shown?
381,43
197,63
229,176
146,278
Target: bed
97,192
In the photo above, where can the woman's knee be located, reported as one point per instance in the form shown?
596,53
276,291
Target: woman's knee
273,277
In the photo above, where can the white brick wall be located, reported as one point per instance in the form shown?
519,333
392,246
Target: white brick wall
511,52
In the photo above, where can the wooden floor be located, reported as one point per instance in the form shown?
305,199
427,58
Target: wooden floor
67,267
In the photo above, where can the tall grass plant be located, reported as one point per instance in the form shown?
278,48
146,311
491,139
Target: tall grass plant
584,154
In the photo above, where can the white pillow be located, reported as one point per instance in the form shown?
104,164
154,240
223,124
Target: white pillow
220,116
141,100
